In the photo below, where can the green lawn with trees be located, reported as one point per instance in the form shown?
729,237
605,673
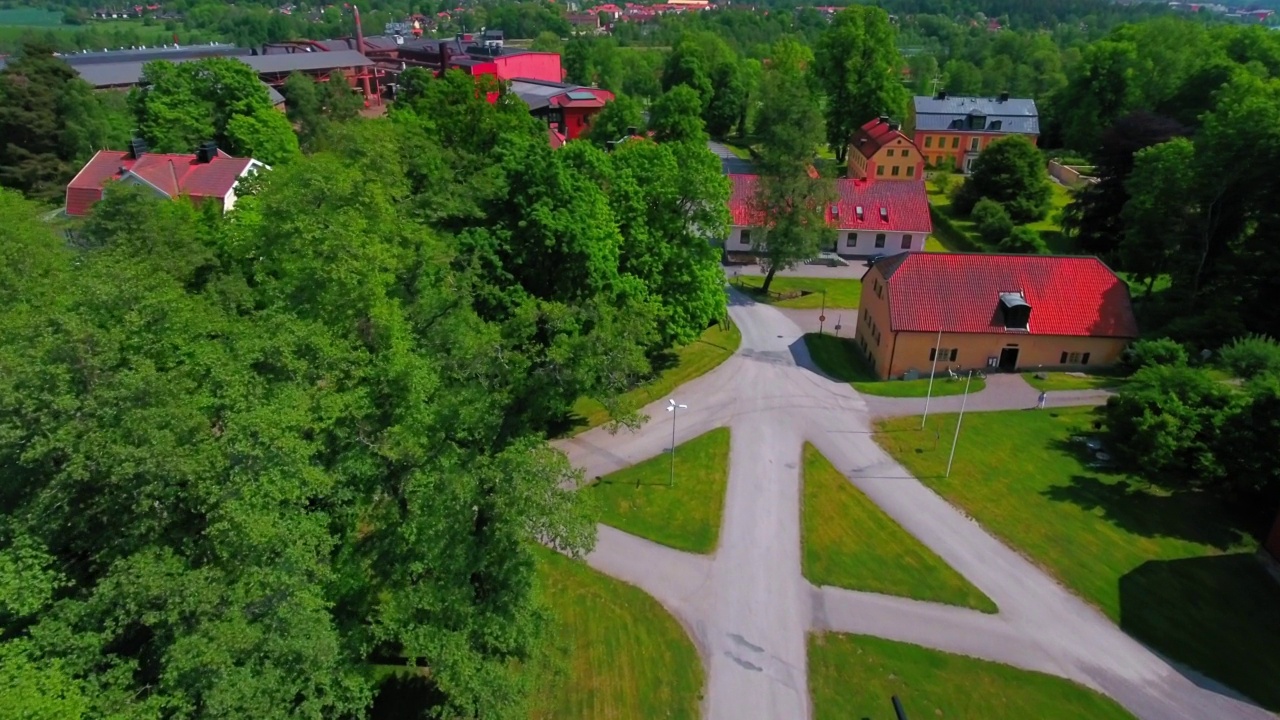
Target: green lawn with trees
1054,381
841,358
617,653
853,676
803,292
683,364
848,542
1171,567
684,514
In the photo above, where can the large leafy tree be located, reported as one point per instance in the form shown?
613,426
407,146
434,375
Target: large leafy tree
50,122
792,196
1011,171
1157,215
676,116
857,63
180,105
621,116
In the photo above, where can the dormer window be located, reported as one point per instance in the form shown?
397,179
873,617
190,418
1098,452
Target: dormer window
1015,310
858,211
835,210
884,214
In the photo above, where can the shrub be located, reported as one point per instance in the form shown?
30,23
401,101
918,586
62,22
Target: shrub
992,221
944,181
1251,356
1152,353
963,197
1024,241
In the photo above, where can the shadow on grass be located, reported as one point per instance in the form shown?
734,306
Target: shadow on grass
1216,613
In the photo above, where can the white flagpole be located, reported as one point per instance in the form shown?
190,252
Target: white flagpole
959,420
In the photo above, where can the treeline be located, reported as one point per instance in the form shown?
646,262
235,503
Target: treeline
251,458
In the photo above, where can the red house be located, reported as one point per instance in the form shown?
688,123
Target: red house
567,109
209,175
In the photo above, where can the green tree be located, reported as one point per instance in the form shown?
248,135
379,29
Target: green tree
1010,171
677,116
180,105
547,41
993,223
791,195
857,63
1157,215
264,135
728,100
51,122
1023,241
615,120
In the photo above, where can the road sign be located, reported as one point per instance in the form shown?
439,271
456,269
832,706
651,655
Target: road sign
822,318
837,327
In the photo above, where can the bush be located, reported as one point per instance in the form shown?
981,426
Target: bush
1153,353
1024,241
944,181
992,221
963,198
1251,356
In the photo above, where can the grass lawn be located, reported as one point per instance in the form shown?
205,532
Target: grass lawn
738,150
30,17
1068,381
841,359
962,235
854,676
688,362
1172,569
1050,228
849,542
685,516
841,292
933,244
624,656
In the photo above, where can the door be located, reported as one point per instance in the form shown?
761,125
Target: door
1009,358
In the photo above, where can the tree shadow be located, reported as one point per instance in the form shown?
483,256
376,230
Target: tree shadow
1186,515
566,425
405,695
1217,614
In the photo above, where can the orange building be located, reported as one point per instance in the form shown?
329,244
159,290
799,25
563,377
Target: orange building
881,151
953,131
1003,312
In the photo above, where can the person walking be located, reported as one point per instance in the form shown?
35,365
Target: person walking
1041,400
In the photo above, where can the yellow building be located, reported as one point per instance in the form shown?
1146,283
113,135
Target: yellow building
999,312
879,150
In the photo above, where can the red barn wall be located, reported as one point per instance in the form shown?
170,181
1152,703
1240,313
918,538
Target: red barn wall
533,65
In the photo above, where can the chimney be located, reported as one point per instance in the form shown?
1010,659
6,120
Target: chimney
207,152
137,148
632,131
1004,97
942,95
884,119
359,30
444,56
894,126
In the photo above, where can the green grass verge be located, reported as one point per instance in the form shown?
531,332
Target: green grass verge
849,542
933,244
854,676
624,656
841,292
1067,381
842,359
1173,569
690,361
686,515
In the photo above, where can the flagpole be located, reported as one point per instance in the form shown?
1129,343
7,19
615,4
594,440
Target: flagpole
932,373
959,420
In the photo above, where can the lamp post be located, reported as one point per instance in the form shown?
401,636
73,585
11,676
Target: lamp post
959,420
937,346
822,314
671,408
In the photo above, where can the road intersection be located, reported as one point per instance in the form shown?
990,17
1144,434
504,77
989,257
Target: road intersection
748,606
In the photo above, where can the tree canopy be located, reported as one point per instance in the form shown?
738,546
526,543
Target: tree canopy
1010,171
857,63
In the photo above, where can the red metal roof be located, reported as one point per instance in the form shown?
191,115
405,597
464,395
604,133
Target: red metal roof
874,135
905,205
171,174
960,292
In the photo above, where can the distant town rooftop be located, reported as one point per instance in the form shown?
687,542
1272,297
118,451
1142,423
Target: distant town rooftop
989,114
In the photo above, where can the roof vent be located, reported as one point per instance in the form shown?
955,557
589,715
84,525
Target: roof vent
884,119
1004,97
884,214
858,211
137,147
894,126
835,210
942,95
206,152
1016,310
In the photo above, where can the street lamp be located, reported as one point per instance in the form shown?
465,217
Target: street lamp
671,408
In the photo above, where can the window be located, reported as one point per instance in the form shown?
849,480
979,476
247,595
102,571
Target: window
911,170
879,241
745,237
928,141
890,153
904,153
906,242
851,240
943,354
1074,358
895,171
1084,359
973,144
955,142
879,169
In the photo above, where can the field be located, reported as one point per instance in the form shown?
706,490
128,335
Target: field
30,17
841,359
840,292
685,515
854,676
1171,568
851,543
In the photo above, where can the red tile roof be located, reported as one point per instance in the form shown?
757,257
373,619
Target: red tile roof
905,205
172,175
960,292
874,135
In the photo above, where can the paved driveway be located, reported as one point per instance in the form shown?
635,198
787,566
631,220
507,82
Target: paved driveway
749,608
